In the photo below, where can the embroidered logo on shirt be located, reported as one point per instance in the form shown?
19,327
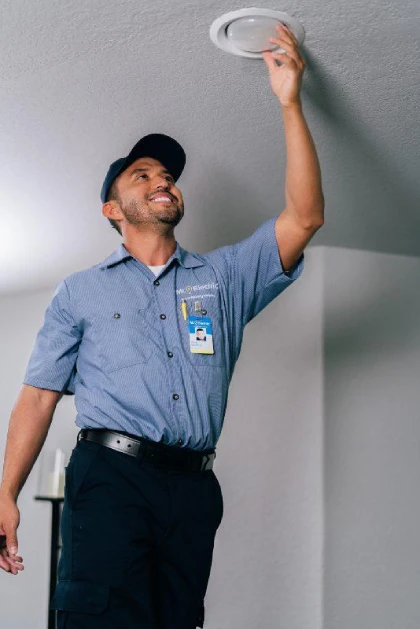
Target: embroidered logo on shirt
190,289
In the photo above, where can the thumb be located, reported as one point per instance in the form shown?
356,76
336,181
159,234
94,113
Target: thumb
269,60
11,537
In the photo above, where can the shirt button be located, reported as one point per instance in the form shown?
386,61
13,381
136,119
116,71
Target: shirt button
156,282
163,316
170,354
180,442
117,315
175,396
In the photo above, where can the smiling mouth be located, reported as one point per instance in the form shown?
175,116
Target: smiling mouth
154,201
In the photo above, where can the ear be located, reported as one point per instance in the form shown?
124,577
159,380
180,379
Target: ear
111,209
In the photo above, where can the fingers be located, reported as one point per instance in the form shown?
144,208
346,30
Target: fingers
15,564
289,48
269,59
3,563
9,563
286,34
287,41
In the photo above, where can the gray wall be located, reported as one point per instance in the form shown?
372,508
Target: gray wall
372,440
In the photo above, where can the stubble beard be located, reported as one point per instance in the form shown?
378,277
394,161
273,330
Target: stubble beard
141,213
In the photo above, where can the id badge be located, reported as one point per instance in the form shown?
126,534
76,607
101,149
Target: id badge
201,335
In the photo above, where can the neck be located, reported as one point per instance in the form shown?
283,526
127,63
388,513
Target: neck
151,249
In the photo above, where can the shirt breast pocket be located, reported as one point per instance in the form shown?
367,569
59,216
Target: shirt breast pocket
121,338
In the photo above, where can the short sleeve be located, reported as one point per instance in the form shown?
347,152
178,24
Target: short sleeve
52,364
258,272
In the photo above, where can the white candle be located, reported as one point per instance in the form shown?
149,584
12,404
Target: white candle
56,478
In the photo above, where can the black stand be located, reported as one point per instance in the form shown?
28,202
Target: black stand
55,546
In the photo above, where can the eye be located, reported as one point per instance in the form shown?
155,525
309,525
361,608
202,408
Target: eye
168,177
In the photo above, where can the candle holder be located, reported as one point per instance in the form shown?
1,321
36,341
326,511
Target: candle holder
51,481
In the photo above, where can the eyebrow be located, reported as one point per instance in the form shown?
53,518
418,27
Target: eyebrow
137,170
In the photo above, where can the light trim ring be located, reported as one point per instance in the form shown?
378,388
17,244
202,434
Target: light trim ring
220,39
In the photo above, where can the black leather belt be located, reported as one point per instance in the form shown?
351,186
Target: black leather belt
162,455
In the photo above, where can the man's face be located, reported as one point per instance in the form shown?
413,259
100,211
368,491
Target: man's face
143,179
200,334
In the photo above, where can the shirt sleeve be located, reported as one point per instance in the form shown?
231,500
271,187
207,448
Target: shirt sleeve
258,272
52,364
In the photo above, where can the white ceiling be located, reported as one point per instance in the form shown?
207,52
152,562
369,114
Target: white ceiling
82,82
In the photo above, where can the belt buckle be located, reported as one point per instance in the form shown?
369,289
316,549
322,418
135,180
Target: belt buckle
207,461
80,434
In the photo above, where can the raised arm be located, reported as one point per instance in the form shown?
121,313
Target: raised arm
304,211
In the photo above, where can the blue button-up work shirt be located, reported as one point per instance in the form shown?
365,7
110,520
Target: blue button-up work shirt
114,335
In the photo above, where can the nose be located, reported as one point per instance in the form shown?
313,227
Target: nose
164,186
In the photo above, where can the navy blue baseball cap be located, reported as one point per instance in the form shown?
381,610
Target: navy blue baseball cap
162,147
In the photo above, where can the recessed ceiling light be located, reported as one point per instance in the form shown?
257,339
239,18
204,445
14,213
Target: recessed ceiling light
247,32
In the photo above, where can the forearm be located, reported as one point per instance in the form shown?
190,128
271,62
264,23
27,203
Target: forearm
303,188
28,427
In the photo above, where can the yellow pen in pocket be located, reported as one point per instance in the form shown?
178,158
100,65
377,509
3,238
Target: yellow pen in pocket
184,308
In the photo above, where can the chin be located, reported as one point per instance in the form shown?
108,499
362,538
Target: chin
170,220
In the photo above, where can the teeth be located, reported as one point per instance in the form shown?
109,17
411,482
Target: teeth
161,199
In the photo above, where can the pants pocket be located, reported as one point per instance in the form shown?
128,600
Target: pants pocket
80,596
80,463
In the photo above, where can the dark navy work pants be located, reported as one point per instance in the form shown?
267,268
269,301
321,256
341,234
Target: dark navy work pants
137,543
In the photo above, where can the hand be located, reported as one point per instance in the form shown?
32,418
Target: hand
9,522
286,79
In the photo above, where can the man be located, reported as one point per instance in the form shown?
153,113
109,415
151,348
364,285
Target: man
142,503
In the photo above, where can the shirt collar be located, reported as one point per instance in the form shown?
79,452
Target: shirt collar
184,257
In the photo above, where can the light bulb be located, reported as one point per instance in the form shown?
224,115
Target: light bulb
252,34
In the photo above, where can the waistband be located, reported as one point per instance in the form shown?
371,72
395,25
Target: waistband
160,454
